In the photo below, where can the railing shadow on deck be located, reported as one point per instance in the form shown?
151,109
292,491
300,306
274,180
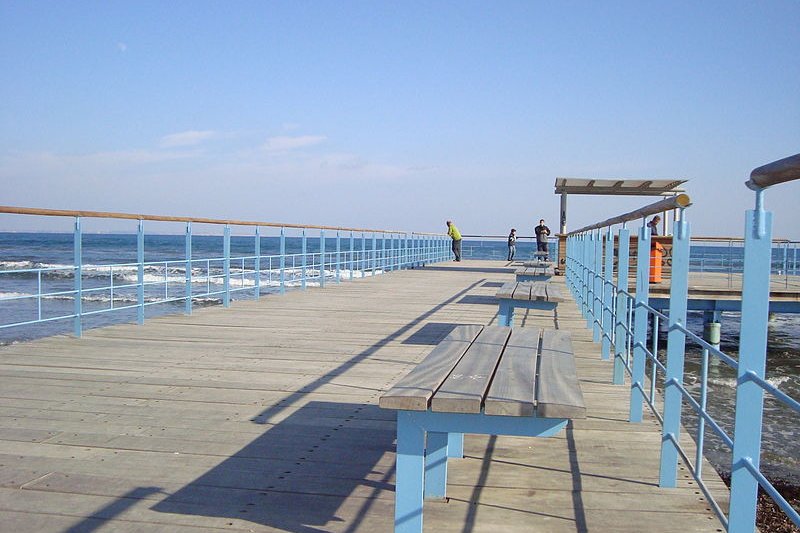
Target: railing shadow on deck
299,472
317,458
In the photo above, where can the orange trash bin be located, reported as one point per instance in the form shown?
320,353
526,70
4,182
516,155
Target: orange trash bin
656,256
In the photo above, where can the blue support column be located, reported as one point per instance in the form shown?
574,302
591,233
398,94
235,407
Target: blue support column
77,239
257,263
226,245
140,272
608,297
752,360
322,258
436,466
621,336
338,257
283,260
187,305
640,324
304,260
455,445
410,477
676,351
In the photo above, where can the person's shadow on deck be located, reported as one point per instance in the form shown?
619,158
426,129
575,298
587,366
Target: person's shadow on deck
299,472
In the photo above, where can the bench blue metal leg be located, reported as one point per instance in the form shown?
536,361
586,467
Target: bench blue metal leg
455,445
436,466
410,475
506,314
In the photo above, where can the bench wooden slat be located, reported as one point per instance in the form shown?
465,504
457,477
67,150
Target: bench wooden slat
554,293
539,291
558,392
415,390
464,389
507,290
511,392
522,291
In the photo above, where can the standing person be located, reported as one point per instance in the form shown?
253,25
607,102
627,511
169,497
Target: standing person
512,244
453,233
542,232
653,225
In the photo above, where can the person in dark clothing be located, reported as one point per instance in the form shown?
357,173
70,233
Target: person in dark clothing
542,232
653,225
512,244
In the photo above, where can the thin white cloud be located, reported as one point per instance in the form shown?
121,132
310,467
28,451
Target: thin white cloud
186,138
285,143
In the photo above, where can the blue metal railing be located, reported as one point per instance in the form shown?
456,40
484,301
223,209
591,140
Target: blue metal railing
105,288
622,320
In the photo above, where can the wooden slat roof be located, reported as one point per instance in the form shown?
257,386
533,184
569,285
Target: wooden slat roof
618,186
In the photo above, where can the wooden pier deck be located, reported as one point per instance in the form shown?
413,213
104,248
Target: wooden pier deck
264,417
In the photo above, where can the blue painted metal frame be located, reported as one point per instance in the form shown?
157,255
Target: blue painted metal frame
421,476
755,307
505,315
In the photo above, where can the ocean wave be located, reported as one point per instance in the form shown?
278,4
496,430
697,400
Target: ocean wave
731,382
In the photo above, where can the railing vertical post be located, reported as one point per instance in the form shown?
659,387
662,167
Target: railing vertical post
352,255
338,257
283,260
363,262
395,260
752,360
640,323
226,247
187,305
304,260
608,297
621,335
78,277
588,290
322,258
407,251
140,272
257,263
384,262
676,351
374,252
597,297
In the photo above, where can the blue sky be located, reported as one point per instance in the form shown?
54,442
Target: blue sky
395,114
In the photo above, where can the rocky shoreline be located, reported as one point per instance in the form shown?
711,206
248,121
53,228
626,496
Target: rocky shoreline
769,516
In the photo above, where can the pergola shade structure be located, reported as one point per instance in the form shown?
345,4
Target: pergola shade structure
613,187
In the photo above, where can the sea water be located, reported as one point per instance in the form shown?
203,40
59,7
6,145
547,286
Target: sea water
54,253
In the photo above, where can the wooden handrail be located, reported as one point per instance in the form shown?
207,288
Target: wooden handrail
675,202
780,171
200,220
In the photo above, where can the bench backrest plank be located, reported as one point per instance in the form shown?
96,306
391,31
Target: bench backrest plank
558,392
415,390
464,389
511,392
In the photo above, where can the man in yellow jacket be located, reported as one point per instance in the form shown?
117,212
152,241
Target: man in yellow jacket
454,234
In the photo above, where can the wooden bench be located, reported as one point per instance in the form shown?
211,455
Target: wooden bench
535,273
526,295
537,263
488,380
